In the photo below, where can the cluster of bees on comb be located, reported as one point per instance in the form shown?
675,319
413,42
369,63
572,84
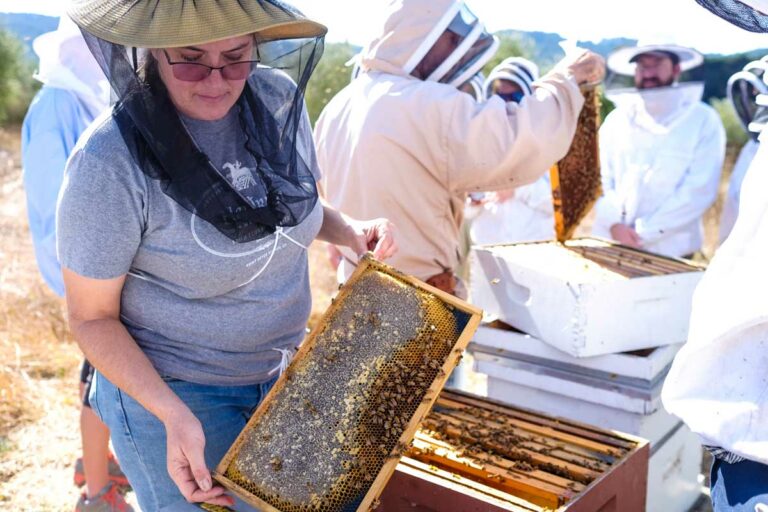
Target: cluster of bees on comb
339,416
576,183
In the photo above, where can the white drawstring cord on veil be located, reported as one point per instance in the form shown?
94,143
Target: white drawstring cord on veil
286,355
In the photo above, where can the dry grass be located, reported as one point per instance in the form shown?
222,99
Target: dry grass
39,436
39,361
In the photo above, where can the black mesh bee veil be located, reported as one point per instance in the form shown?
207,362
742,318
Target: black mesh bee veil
272,116
738,13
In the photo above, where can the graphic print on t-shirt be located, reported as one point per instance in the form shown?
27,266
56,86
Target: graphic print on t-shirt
242,180
256,255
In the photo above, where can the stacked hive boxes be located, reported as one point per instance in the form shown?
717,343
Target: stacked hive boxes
587,330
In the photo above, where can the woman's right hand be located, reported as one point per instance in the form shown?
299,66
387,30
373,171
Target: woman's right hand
186,460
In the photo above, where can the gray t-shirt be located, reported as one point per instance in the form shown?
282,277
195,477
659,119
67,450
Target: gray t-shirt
203,308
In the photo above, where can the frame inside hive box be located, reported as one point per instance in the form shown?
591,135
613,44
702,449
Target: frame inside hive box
475,454
612,298
331,431
575,179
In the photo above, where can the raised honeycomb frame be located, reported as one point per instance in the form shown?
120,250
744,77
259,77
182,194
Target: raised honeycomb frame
584,153
314,354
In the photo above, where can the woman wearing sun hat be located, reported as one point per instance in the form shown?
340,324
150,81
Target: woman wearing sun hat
718,381
183,226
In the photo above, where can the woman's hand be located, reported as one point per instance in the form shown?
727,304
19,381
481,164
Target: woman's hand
376,235
186,460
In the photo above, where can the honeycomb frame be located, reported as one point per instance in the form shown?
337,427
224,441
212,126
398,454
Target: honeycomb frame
584,155
237,470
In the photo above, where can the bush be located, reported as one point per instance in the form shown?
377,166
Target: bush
331,75
17,87
509,46
734,130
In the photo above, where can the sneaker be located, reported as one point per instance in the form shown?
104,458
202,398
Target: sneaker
116,475
108,500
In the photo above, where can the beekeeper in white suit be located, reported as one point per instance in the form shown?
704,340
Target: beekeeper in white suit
518,214
661,152
743,89
402,141
718,381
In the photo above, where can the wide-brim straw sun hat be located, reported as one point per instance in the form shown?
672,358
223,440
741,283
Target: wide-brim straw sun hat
177,23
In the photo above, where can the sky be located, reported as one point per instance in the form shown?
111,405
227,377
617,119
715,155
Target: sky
678,21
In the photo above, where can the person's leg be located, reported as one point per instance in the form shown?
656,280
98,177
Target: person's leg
739,487
95,439
139,441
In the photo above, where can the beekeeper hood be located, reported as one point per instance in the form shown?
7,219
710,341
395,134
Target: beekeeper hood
746,89
411,29
517,70
474,87
654,107
281,190
67,63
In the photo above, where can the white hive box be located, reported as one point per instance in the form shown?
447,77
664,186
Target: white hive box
618,392
621,390
587,297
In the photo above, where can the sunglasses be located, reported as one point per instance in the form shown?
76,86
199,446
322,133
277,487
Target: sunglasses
195,71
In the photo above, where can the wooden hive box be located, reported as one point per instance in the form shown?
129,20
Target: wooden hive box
586,297
476,455
330,432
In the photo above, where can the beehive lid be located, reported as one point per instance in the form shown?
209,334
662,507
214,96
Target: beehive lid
330,433
575,179
591,260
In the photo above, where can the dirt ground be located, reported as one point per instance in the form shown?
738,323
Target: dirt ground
39,361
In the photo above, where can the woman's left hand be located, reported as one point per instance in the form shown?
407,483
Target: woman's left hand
376,235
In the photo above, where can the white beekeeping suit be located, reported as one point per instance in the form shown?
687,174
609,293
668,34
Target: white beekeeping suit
661,153
410,149
733,198
717,384
528,214
743,90
728,337
74,92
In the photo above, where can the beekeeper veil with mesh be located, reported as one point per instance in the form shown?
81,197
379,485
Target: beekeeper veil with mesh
435,40
746,90
66,63
515,70
750,15
662,99
748,95
271,108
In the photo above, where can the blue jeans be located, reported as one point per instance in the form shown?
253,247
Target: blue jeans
738,487
138,436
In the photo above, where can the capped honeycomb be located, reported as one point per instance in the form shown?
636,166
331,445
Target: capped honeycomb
575,179
329,434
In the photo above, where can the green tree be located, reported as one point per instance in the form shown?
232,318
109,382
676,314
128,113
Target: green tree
734,130
16,84
510,45
331,75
